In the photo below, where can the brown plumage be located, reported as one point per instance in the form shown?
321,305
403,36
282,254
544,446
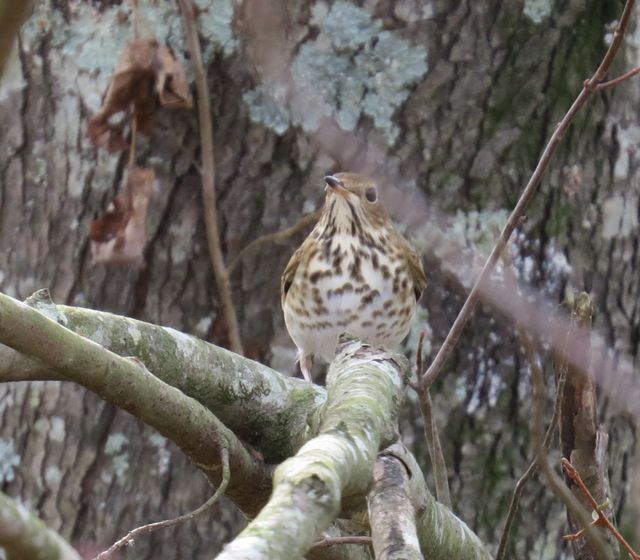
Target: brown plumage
354,273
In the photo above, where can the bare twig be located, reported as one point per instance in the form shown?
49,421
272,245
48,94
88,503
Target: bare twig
150,527
602,519
415,385
513,506
540,445
220,272
333,541
590,86
276,237
618,80
431,435
580,437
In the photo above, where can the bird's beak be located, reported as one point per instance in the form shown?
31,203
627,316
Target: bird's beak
335,185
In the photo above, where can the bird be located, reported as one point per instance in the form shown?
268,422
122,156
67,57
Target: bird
354,273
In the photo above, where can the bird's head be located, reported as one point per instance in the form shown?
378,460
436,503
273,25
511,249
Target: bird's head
352,201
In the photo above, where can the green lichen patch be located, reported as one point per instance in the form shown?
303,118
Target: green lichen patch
9,460
86,41
537,10
353,68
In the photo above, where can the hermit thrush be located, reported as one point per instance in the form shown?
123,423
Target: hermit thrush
354,273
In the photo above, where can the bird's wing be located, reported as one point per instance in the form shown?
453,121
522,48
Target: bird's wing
416,271
291,268
417,274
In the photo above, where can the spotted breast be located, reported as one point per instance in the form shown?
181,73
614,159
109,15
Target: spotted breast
354,273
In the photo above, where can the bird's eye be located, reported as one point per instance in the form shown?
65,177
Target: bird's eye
371,194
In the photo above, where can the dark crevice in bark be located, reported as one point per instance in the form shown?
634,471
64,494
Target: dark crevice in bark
143,279
98,433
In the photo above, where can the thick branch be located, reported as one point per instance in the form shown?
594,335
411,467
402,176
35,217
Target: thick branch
391,513
442,535
309,489
230,383
262,407
24,536
127,383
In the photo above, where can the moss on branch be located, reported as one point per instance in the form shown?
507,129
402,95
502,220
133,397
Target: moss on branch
128,384
263,407
364,390
337,433
23,535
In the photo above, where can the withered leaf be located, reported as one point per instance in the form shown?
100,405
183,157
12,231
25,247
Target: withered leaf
171,81
119,236
148,75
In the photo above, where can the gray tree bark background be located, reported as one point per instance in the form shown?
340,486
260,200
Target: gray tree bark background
451,101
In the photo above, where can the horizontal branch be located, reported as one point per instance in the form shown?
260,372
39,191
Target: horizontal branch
364,389
261,406
128,384
23,535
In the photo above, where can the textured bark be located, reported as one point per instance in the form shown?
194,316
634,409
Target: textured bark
391,513
500,74
329,475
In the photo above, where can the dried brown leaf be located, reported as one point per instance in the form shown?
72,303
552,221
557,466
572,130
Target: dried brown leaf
119,236
171,80
148,75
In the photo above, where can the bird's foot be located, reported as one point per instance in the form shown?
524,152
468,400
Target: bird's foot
306,363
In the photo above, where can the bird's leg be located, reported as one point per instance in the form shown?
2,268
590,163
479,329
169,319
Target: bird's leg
306,362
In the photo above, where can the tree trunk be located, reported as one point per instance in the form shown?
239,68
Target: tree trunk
451,102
